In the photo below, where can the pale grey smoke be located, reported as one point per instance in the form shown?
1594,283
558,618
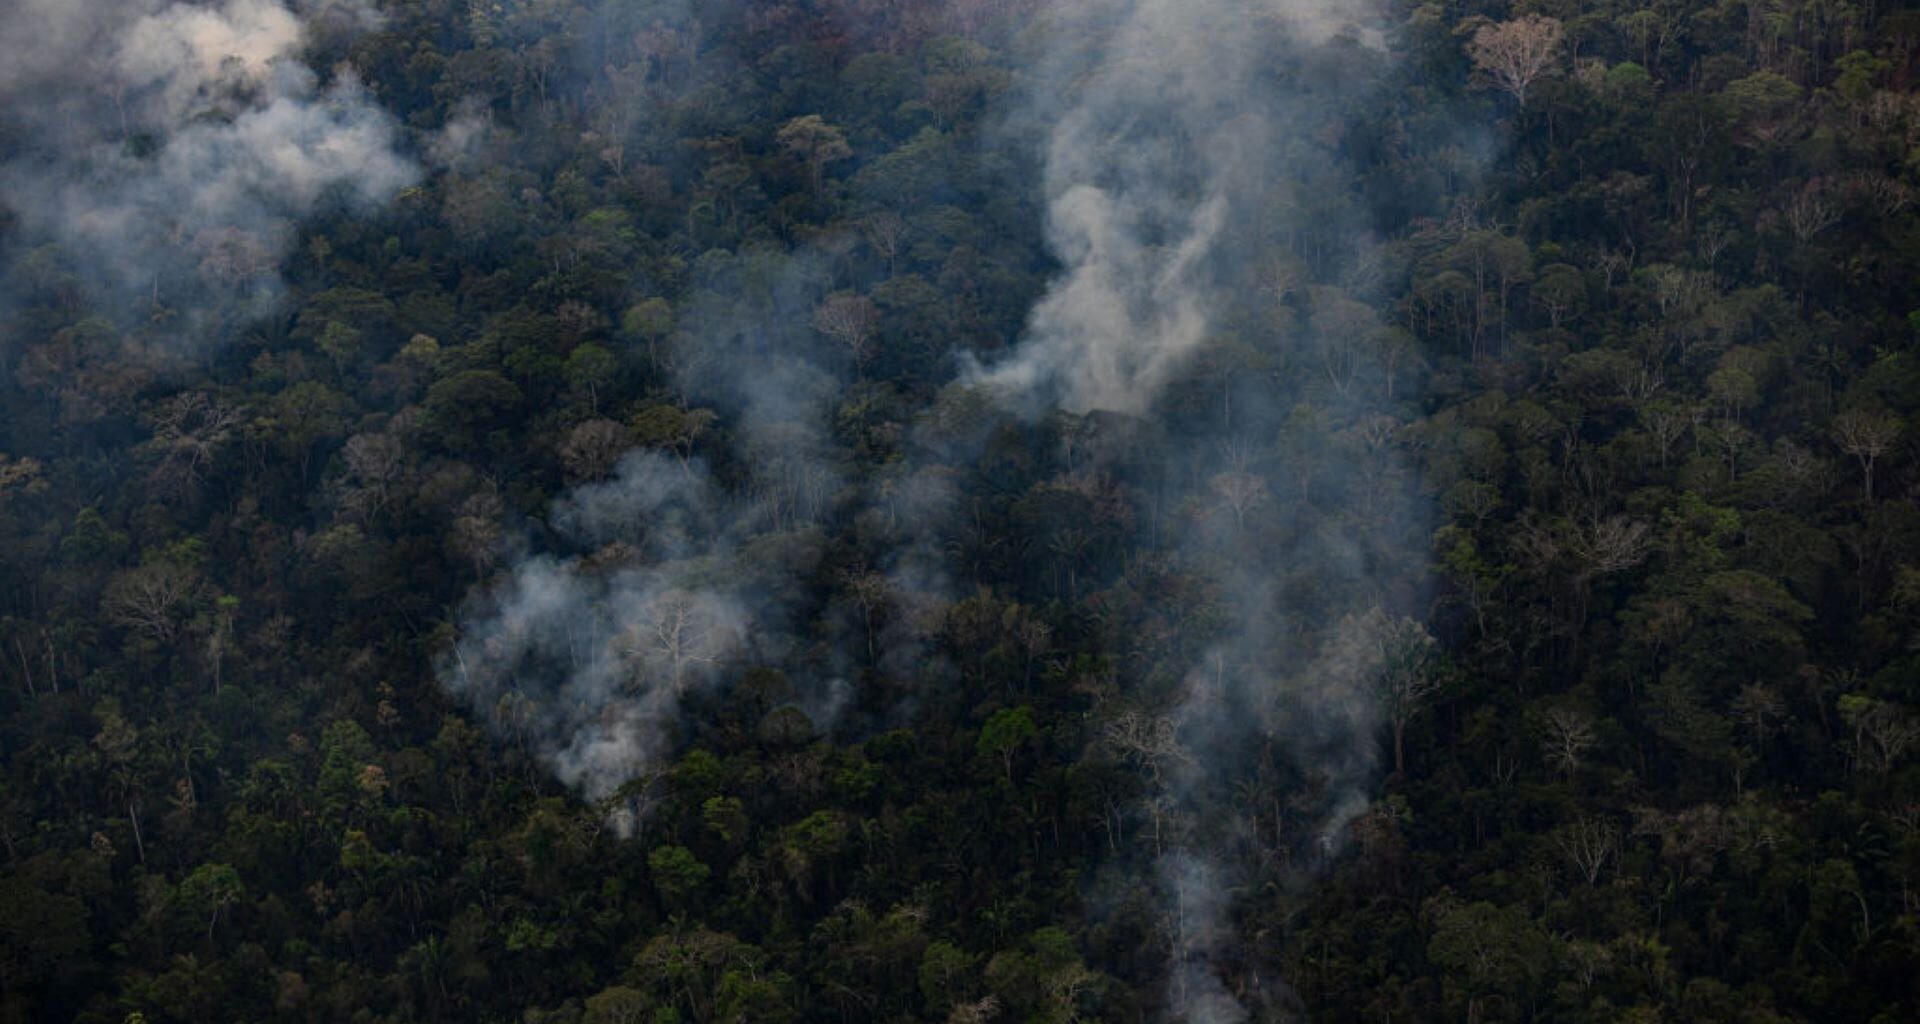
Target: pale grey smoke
342,16
1179,144
590,664
916,510
659,505
682,580
1199,928
1166,139
462,141
170,149
1174,152
747,351
591,660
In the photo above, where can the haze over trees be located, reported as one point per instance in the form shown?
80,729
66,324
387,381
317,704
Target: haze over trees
753,511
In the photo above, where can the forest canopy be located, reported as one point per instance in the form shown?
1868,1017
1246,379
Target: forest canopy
588,511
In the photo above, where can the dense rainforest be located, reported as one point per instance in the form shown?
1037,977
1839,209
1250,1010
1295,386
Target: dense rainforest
511,510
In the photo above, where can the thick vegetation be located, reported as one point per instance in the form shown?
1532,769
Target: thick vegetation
1642,311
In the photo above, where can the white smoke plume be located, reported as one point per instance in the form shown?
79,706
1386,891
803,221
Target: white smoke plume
1199,929
459,145
1168,137
678,579
169,149
589,659
1180,136
1181,139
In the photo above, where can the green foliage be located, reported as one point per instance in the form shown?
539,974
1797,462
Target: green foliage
1008,730
460,407
677,874
209,890
1641,340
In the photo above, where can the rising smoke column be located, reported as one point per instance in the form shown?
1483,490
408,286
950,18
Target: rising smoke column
169,149
664,582
588,659
1159,135
1185,144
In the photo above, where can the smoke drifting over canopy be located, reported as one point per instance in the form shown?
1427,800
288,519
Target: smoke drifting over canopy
1186,141
169,149
593,662
1165,127
671,582
1196,190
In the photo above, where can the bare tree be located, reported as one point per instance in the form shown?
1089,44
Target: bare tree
793,483
869,591
885,233
1239,492
1569,735
1515,54
231,258
1036,641
1407,678
1587,845
1062,988
852,320
1666,425
117,746
188,431
593,448
1885,196
1394,348
677,631
1559,290
150,598
1883,732
21,475
1866,436
1759,709
1811,211
1339,327
1612,262
374,463
980,1012
476,529
1147,740
220,635
673,428
1611,545
1377,432
1282,277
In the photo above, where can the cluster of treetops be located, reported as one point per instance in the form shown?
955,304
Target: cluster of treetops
1649,351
